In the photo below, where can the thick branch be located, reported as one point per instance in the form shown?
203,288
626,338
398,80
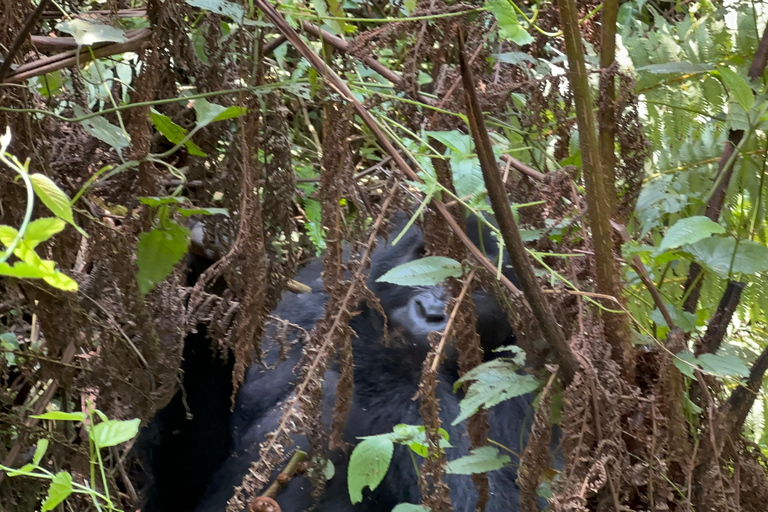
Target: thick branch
509,231
607,112
718,324
599,199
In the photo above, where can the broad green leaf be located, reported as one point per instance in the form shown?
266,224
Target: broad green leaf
22,270
410,507
229,9
161,201
689,231
481,460
42,447
686,369
494,382
467,175
87,31
368,465
26,469
724,365
62,416
409,6
113,432
174,132
737,86
716,253
515,58
427,271
455,141
186,212
509,26
60,489
40,230
103,130
50,84
53,197
157,253
684,320
675,68
208,112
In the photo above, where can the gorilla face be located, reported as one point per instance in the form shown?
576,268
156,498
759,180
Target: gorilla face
423,313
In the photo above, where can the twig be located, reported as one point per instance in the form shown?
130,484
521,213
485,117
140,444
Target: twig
285,475
448,326
20,37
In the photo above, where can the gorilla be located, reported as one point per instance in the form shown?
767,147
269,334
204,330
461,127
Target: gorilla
386,378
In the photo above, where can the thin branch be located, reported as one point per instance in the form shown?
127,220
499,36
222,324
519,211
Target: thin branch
68,59
509,230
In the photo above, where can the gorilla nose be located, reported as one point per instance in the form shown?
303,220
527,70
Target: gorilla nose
431,308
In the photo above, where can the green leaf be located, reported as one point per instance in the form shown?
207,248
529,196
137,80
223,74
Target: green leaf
684,320
368,465
716,253
738,86
724,365
40,230
157,253
187,212
509,26
54,198
174,132
62,416
689,231
60,489
481,460
162,201
229,9
113,432
87,31
427,271
686,369
494,382
675,68
21,270
409,6
410,507
103,130
42,446
208,112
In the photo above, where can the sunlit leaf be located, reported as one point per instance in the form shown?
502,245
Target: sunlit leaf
113,432
157,253
368,465
60,489
87,31
481,460
427,271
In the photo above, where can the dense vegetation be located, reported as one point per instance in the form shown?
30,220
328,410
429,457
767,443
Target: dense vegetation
629,139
